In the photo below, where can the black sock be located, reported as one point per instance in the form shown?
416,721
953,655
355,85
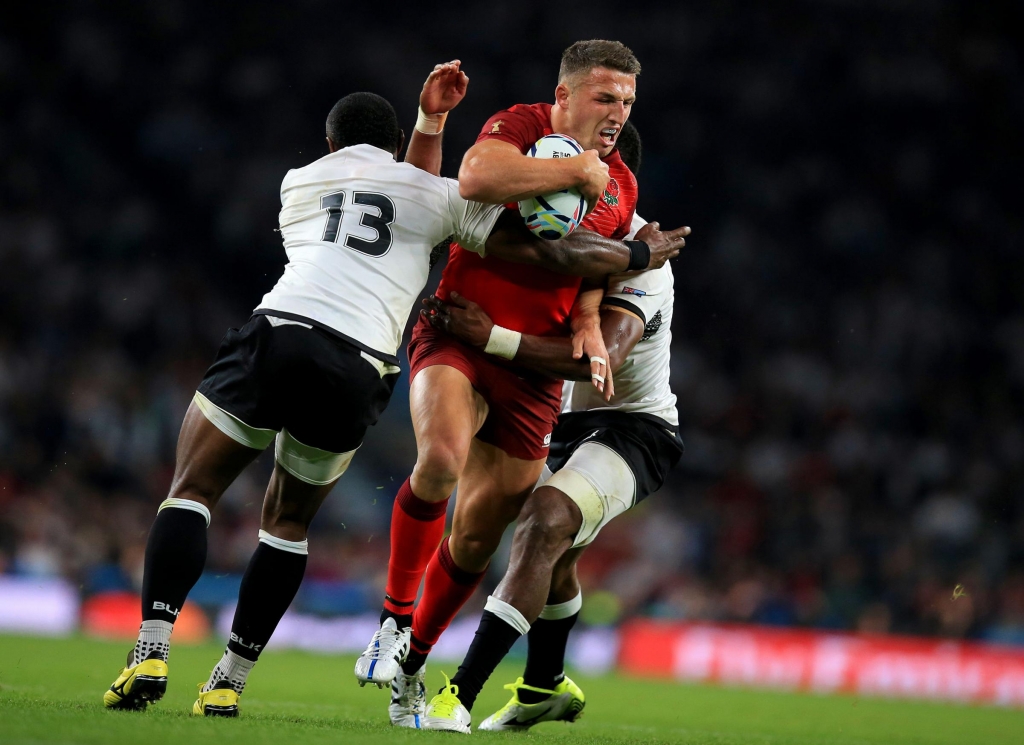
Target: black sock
416,657
404,620
545,660
494,638
268,588
175,557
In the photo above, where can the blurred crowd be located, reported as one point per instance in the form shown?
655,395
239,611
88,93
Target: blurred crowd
849,334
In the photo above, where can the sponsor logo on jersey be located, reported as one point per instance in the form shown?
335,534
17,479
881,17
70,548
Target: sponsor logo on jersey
496,127
633,291
611,193
547,440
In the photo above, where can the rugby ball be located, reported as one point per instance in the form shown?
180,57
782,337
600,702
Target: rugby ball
554,215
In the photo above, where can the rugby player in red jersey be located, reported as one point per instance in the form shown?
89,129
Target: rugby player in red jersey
482,422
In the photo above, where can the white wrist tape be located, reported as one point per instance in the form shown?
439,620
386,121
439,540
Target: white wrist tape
503,342
430,124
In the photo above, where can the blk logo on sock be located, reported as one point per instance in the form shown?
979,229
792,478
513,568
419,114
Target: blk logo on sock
166,608
240,642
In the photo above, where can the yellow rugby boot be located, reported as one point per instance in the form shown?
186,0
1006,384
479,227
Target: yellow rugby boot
138,685
446,712
564,704
219,701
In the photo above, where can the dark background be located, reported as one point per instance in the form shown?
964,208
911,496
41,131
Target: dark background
849,332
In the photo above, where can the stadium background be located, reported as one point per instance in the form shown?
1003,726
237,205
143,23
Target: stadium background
849,333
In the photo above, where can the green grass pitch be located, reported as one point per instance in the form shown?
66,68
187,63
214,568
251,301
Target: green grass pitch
50,692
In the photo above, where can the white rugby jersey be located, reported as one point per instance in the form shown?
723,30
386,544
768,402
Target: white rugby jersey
358,229
642,382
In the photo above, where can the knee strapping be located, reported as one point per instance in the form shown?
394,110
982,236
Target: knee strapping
310,464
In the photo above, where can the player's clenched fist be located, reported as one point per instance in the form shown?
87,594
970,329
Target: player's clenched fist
444,89
592,177
664,245
459,317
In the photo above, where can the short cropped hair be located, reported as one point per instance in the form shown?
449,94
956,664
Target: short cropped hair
364,119
629,147
584,56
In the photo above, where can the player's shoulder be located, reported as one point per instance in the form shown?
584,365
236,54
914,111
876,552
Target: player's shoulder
331,165
539,111
519,124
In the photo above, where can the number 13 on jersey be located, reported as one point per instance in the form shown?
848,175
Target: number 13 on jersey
376,213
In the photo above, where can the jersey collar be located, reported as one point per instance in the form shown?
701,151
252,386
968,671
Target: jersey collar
364,152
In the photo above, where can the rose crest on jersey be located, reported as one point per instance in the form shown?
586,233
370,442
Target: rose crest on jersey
611,193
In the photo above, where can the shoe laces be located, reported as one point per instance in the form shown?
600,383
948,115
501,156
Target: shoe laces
382,644
520,685
412,687
445,702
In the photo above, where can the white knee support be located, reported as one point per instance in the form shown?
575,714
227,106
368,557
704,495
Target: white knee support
601,484
309,464
232,426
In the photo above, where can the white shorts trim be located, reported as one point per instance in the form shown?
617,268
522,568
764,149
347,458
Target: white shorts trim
232,426
309,464
600,482
382,368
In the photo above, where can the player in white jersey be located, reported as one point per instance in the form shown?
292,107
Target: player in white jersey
606,456
315,366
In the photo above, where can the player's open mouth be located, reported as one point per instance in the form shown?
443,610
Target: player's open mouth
608,135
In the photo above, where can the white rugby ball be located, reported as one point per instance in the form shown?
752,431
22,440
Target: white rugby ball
554,215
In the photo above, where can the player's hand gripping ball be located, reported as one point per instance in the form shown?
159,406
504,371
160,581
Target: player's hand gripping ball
554,215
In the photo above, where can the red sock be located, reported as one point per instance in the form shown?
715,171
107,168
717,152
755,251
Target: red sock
416,529
446,590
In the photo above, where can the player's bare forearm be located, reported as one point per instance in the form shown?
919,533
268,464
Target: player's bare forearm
582,253
424,152
551,355
495,172
587,308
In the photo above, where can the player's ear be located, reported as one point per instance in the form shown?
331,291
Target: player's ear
562,93
401,142
331,147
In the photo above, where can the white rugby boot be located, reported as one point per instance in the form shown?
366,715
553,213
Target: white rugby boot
384,655
409,699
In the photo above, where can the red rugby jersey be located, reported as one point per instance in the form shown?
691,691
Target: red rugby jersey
527,298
